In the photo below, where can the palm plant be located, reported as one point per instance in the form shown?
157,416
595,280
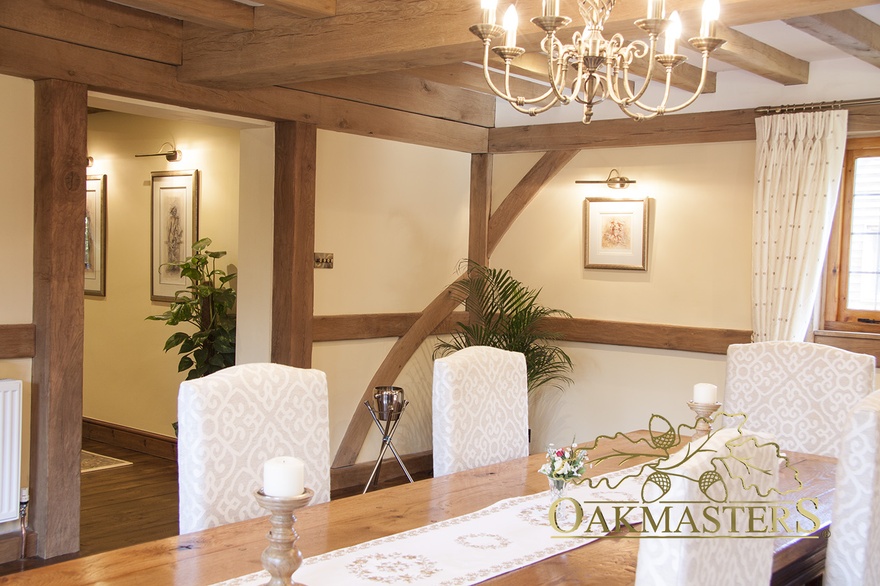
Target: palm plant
506,314
207,303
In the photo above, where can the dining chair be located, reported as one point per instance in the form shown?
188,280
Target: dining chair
232,421
480,409
697,559
799,392
855,537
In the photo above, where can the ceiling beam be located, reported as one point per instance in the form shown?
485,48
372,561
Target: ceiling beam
759,58
473,78
35,57
217,14
308,8
97,24
398,35
849,31
409,94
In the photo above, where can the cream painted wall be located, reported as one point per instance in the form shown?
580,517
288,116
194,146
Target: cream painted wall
698,275
17,230
128,379
396,218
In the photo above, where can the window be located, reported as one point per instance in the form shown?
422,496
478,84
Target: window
853,288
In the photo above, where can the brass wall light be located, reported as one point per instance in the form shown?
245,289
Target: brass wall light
172,154
614,180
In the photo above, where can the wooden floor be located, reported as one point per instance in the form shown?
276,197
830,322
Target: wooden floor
121,506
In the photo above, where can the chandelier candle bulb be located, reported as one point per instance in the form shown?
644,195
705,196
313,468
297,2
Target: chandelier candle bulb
656,9
511,21
673,31
489,7
283,477
711,12
705,393
550,7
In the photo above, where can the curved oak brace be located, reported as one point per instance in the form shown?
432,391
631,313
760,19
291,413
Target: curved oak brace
444,304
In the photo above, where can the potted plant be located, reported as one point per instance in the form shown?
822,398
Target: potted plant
506,314
207,303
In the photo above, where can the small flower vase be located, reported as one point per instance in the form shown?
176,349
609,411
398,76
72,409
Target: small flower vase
558,487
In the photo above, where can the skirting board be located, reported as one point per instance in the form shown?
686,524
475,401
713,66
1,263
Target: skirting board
10,546
133,439
355,476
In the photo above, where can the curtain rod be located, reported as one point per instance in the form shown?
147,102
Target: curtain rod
815,106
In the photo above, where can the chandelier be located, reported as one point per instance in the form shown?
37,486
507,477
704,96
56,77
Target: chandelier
601,67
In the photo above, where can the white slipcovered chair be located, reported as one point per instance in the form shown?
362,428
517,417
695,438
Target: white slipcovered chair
701,559
480,409
231,422
854,546
798,392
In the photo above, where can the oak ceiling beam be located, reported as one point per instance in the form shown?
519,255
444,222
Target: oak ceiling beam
704,127
761,59
34,57
409,94
217,14
472,78
308,8
849,31
388,36
97,24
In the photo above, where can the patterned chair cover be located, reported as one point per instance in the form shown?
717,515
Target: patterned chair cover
231,422
854,546
717,561
480,409
798,392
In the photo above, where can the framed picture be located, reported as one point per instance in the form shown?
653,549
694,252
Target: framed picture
616,233
95,253
174,229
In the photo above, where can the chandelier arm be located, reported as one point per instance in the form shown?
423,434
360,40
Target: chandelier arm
631,97
489,81
664,110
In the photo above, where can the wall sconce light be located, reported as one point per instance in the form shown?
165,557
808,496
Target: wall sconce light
172,154
614,180
90,161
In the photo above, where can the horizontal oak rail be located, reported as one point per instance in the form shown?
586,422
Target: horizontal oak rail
666,337
17,341
638,335
365,326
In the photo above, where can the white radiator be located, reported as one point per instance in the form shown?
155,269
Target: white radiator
10,448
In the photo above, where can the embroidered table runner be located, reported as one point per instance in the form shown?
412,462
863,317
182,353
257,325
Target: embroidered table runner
510,534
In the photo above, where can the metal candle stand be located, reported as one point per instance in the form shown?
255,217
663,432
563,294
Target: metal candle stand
389,406
704,413
282,558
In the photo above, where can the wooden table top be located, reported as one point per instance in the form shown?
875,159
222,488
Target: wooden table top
234,550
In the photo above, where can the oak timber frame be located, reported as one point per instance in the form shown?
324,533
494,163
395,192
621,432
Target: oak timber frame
67,71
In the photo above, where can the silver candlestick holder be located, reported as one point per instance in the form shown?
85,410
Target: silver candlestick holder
282,558
704,413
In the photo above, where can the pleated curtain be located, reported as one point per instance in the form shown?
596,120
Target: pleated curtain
797,172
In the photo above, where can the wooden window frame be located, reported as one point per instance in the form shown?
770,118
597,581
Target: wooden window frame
836,316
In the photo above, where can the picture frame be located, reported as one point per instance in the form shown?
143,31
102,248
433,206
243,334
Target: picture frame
174,229
95,250
616,233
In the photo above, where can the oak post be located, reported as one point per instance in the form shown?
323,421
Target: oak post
293,263
56,409
480,207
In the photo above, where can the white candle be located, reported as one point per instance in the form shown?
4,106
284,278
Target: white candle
550,7
656,9
488,7
511,21
672,33
283,476
705,393
711,12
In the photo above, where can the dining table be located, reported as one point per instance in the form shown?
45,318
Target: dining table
233,550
